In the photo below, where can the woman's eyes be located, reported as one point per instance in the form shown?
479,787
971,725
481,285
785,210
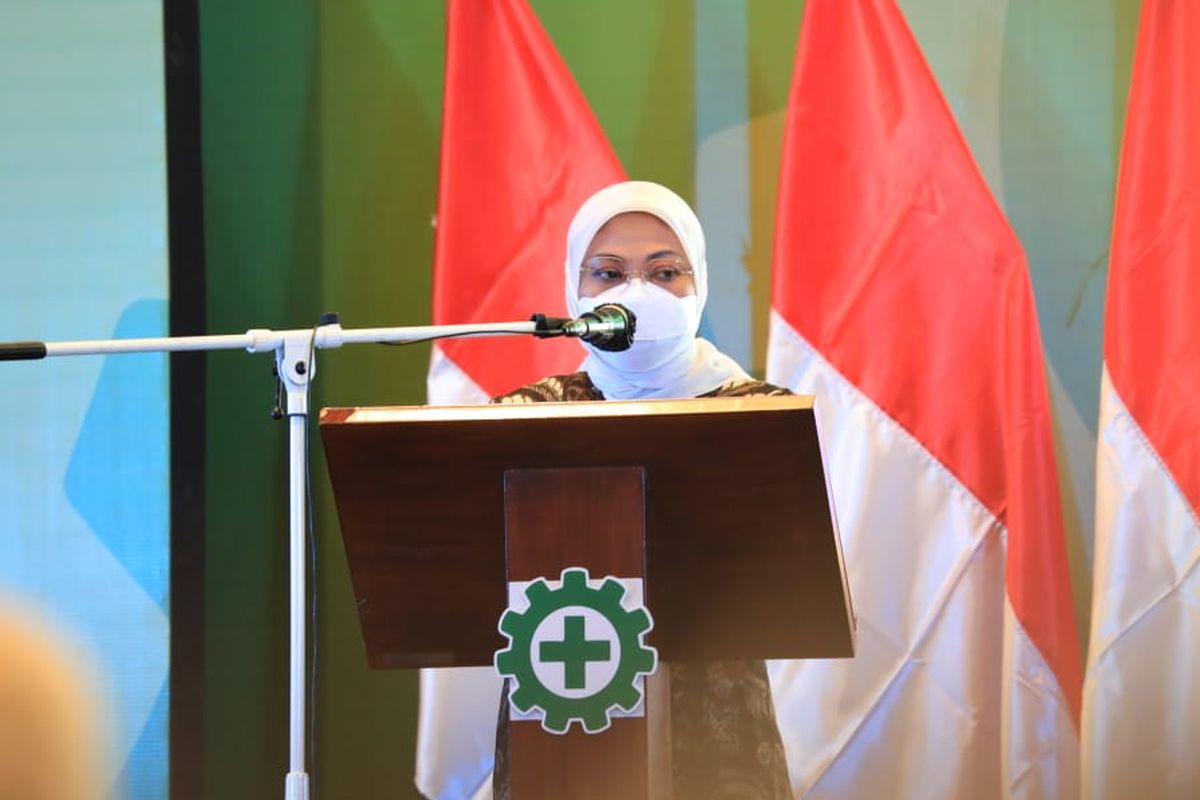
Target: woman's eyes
661,273
608,274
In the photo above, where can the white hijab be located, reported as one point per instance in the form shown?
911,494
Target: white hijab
693,371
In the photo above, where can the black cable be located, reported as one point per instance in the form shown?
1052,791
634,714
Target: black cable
312,548
464,335
311,530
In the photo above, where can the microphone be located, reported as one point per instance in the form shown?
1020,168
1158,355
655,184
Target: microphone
609,326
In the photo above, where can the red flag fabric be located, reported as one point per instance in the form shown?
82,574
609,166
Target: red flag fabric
521,150
1141,713
1151,346
901,298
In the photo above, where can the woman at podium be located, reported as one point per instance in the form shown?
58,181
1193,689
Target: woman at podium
640,245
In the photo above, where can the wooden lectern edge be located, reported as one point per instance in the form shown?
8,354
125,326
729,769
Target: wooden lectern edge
576,410
837,530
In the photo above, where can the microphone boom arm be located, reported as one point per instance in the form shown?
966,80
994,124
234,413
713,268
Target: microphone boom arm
295,360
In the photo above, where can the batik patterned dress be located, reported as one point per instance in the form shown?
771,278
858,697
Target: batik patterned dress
725,743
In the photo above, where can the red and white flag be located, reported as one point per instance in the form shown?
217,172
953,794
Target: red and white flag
901,299
521,151
1141,706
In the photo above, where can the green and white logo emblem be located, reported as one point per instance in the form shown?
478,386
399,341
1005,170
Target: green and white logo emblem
577,652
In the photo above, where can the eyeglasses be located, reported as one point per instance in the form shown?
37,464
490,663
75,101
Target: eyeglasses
668,272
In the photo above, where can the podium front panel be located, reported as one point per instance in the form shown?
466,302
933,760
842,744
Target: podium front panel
742,557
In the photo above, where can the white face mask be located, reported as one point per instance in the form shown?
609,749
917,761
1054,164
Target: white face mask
666,326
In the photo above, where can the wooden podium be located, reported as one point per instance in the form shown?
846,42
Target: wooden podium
721,505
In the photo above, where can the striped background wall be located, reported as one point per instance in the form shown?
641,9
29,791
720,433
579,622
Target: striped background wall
321,146
320,126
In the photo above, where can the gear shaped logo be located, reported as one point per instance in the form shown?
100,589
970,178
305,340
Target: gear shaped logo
576,653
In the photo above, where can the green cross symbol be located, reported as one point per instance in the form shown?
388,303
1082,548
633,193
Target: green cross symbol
574,651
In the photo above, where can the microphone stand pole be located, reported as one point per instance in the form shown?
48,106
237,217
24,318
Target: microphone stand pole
295,361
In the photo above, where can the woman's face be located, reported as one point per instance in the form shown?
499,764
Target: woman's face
635,246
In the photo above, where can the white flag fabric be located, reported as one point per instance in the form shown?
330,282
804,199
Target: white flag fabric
1141,707
1142,689
901,299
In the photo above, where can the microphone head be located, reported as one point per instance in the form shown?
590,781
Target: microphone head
621,324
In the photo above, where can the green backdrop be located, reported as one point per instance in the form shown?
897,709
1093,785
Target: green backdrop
321,125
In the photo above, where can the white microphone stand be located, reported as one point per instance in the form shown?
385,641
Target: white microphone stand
295,360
